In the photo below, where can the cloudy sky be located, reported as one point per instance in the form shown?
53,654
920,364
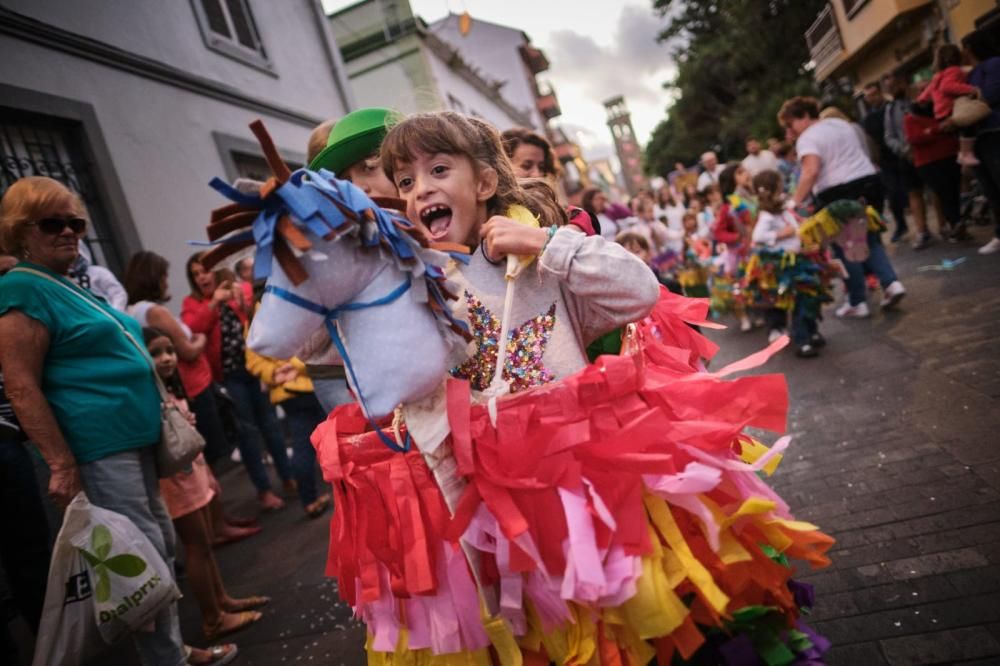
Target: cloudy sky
596,48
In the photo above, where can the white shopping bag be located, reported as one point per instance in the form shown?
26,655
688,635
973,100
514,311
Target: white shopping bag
105,580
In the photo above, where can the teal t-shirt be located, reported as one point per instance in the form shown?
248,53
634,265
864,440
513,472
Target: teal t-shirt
100,387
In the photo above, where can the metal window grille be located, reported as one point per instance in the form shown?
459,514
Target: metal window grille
35,145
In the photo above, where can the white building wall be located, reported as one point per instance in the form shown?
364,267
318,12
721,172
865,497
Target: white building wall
396,76
167,31
161,137
459,95
493,50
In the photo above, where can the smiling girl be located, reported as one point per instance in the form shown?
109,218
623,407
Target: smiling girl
456,179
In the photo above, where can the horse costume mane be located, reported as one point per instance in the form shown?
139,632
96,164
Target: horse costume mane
362,256
289,202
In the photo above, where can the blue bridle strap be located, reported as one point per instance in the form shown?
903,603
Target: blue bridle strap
330,320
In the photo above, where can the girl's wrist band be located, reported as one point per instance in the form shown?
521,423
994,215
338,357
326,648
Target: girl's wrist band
551,231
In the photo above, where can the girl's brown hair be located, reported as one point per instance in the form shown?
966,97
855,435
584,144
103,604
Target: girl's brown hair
192,260
769,186
144,277
452,133
947,55
545,202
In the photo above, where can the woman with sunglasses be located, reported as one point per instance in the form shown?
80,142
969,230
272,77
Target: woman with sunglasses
83,392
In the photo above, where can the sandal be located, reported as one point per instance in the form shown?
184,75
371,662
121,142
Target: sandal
246,603
244,620
218,655
236,534
318,507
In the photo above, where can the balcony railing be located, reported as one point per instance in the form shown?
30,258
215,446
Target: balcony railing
823,39
534,58
548,105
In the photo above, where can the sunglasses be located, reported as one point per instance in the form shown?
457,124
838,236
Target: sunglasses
55,225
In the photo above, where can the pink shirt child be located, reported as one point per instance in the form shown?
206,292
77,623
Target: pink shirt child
944,88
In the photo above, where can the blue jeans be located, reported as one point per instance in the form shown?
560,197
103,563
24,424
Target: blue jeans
804,325
332,393
126,483
208,422
877,263
257,417
303,413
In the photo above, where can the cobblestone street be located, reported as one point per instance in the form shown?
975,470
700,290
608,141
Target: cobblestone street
895,453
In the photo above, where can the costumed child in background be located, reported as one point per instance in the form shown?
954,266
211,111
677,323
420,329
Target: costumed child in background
693,273
731,233
187,496
779,277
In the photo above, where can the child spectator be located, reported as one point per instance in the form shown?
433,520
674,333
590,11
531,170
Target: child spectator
948,85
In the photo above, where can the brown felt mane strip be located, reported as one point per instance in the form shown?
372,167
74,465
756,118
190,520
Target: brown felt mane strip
293,235
220,252
222,212
235,222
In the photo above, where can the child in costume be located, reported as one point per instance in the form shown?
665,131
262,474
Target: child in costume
779,277
692,274
731,233
602,513
450,171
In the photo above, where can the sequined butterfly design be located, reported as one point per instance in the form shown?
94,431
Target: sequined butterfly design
525,348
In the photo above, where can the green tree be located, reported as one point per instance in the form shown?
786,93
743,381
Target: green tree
737,60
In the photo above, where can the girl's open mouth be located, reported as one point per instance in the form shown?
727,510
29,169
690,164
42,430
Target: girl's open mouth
437,219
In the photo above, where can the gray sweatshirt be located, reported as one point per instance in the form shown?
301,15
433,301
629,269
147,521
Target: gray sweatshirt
578,289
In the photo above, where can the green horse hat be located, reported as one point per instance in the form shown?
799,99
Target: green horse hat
353,138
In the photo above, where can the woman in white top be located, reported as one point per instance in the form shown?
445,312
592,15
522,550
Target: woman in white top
836,166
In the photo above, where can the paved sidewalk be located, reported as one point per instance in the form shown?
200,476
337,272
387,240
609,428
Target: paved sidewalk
896,453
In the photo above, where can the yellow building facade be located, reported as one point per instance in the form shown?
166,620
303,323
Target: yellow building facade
853,42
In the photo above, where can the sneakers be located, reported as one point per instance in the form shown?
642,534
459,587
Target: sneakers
807,351
774,335
922,241
859,311
990,248
745,324
892,295
817,340
898,234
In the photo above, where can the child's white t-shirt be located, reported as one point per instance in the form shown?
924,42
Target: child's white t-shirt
765,231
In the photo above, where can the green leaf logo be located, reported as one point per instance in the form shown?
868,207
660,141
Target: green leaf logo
125,565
